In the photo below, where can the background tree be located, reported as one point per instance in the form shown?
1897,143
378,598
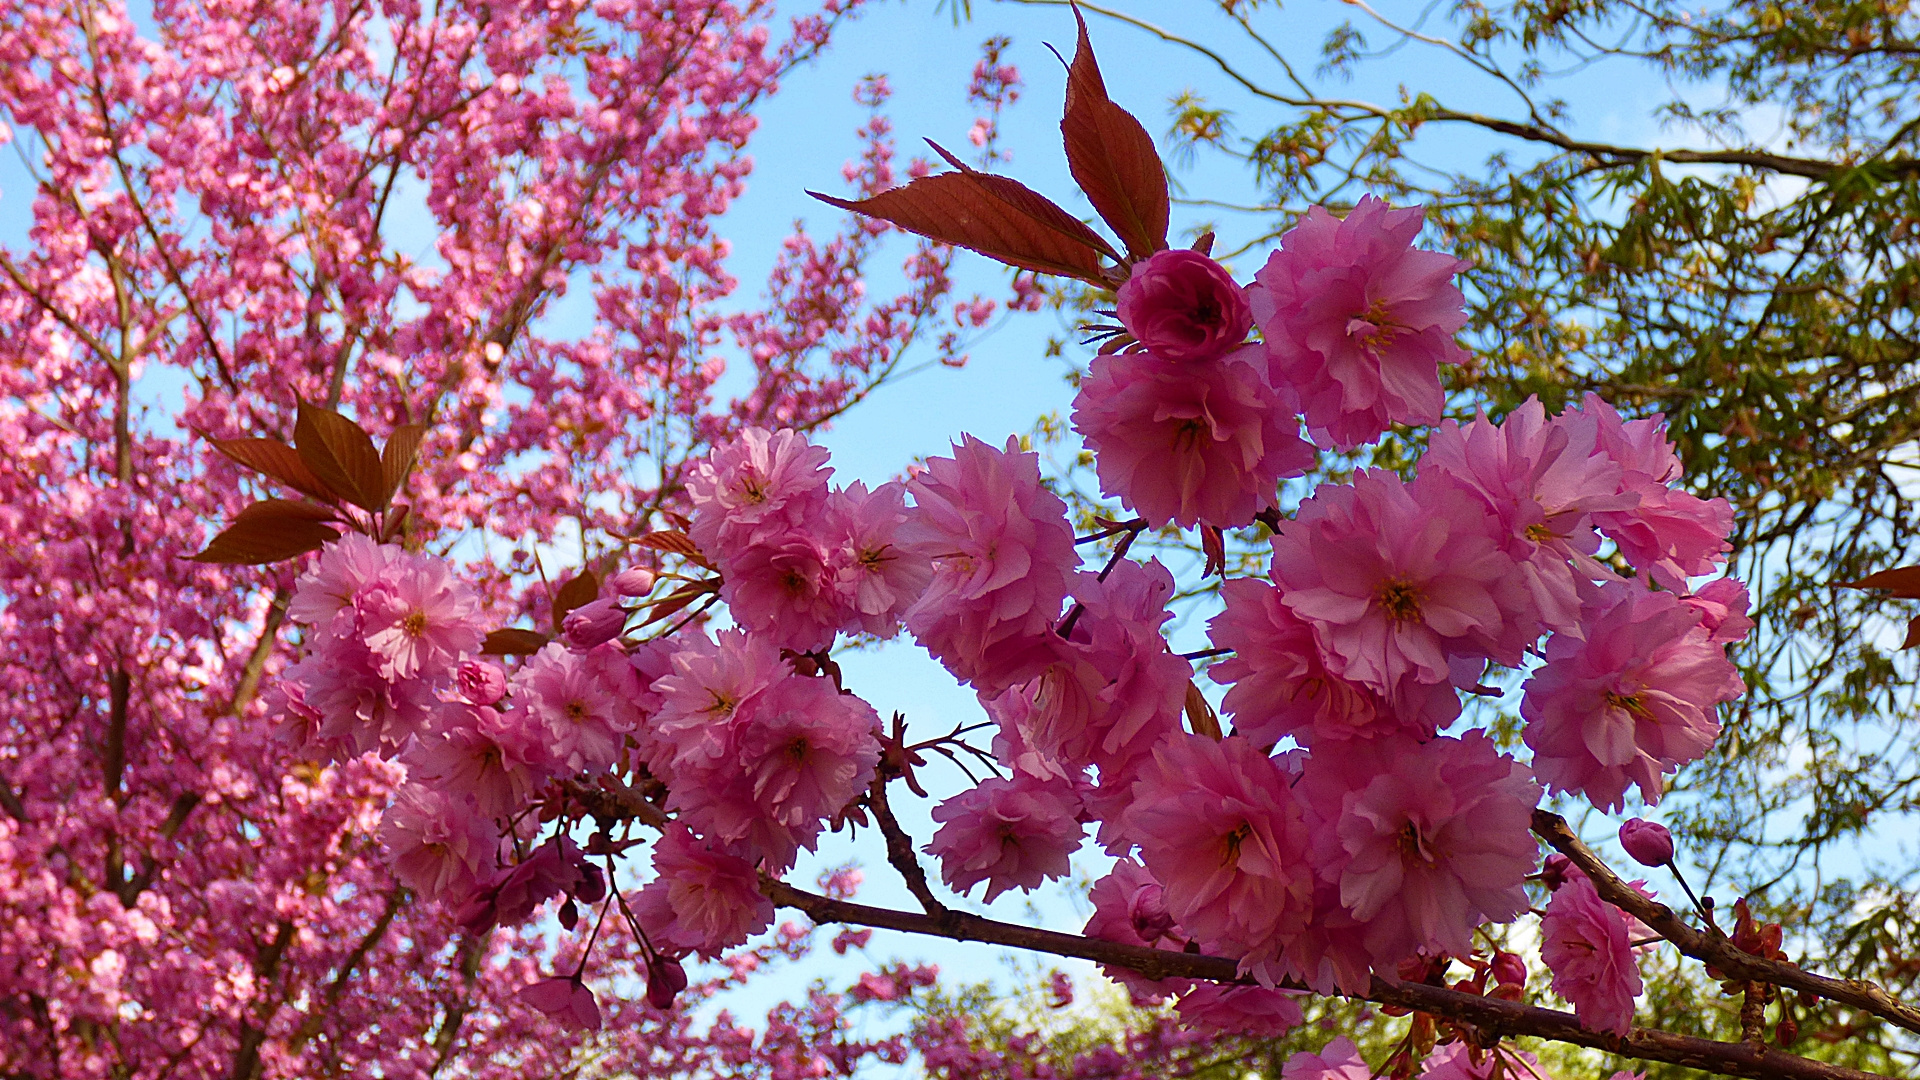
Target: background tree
237,208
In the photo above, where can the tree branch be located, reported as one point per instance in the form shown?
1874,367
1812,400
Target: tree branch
1494,1016
1711,946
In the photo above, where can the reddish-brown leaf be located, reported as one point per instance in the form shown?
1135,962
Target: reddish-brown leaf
1200,714
513,642
579,590
1902,582
397,458
341,455
1112,157
1913,633
269,531
672,540
277,461
993,215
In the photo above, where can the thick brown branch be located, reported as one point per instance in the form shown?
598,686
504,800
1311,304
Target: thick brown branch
1711,946
1492,1015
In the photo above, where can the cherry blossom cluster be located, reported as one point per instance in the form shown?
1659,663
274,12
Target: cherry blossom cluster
1343,823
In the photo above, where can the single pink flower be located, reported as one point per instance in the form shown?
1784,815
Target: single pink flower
418,619
1252,1011
1282,686
1002,552
437,843
1189,443
1220,829
1116,688
1357,321
700,899
1184,306
1723,605
634,581
1009,833
1670,534
1400,580
758,484
482,753
585,715
1632,701
877,578
1425,840
1338,1060
1130,908
782,588
510,894
344,568
1587,944
706,684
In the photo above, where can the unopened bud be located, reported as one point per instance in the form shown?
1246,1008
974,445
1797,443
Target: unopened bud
1148,910
1646,842
480,683
633,581
665,979
593,623
1509,970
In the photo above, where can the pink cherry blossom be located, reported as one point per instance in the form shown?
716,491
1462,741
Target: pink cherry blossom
1632,701
760,483
1723,605
782,588
510,894
480,682
700,899
1189,443
1130,907
436,842
1009,833
708,681
495,758
344,568
1281,685
1001,550
876,577
580,701
1338,1060
1183,306
1543,482
1398,580
418,618
1425,840
1357,321
1671,534
1116,688
1587,943
567,1001
1218,826
1252,1011
1646,842
1457,1061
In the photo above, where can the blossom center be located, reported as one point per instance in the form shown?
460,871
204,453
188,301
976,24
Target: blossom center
1631,703
576,711
1412,845
1400,600
1230,844
415,624
798,749
1539,533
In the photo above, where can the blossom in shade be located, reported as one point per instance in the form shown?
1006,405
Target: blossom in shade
1646,842
1399,580
418,618
700,900
1458,1061
1219,827
1009,833
567,1002
1357,321
1338,1060
781,588
877,578
758,484
1426,840
1130,907
1634,697
1116,688
509,895
1542,482
1184,306
334,702
1185,443
436,842
1002,552
1281,685
1670,534
1253,1011
1331,955
1587,944
495,758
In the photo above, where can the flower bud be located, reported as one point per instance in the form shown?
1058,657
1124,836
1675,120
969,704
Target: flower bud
1184,306
480,683
1148,910
593,623
1509,970
633,581
665,979
1647,842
